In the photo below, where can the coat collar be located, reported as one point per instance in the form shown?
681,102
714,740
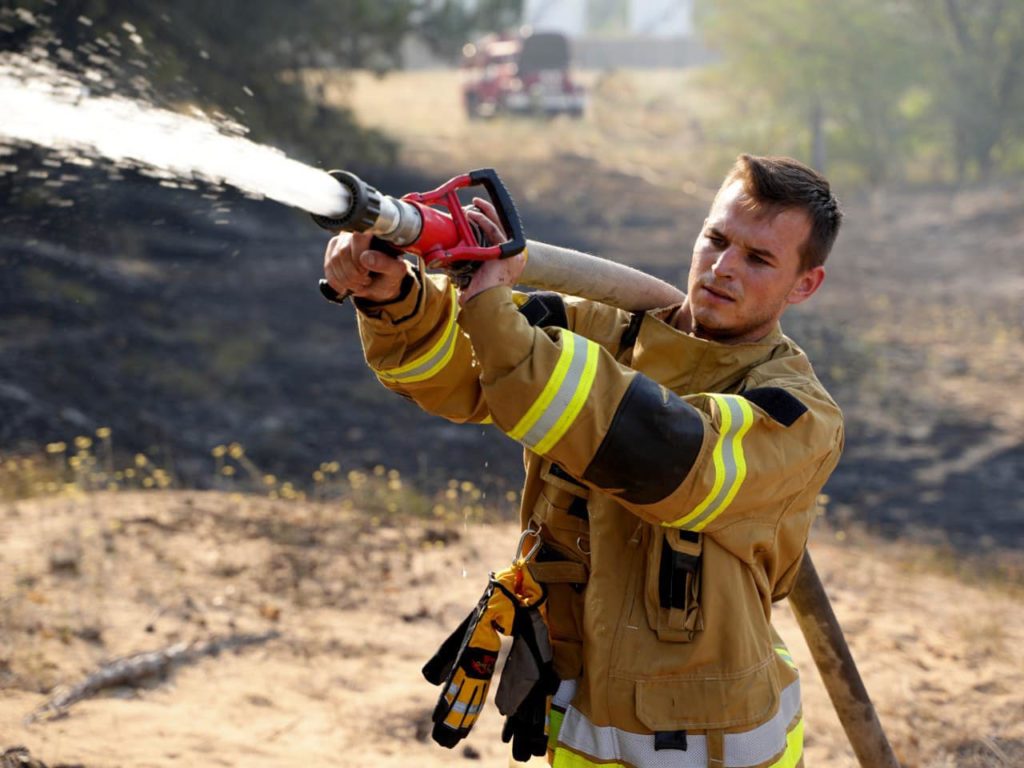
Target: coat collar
683,363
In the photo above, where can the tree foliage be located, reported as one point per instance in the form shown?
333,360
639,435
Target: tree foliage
877,78
235,56
975,56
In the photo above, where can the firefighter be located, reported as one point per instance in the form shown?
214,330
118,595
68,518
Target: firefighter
673,460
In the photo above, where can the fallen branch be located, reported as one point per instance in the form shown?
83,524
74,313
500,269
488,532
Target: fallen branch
131,670
19,757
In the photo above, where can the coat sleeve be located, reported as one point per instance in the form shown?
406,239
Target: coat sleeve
696,462
417,348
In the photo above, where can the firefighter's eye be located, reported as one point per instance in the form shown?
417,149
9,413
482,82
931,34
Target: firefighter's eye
715,239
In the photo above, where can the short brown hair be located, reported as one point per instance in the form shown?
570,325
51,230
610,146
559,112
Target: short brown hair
782,183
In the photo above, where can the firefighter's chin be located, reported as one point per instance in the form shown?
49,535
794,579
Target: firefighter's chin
712,307
715,318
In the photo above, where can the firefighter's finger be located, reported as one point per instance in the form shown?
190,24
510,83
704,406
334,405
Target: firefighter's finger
343,253
486,207
342,278
349,269
339,285
342,266
389,266
360,242
492,232
335,246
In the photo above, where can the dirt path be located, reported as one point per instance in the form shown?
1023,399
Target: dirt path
361,603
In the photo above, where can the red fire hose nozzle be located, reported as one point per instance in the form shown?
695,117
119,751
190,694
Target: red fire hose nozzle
431,225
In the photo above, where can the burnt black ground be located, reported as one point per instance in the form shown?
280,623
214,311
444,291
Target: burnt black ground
183,322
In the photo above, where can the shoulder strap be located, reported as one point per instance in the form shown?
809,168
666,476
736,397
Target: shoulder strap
629,336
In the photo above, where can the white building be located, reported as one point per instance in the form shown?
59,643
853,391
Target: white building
622,33
579,18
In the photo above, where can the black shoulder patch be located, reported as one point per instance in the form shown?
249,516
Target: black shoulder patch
545,309
652,444
777,403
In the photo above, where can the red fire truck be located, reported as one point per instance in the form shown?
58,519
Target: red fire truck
520,74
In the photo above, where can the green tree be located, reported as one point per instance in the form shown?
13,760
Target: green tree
835,71
974,56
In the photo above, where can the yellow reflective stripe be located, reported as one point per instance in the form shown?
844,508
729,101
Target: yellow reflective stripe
730,463
794,747
434,359
559,403
784,654
488,419
566,758
555,718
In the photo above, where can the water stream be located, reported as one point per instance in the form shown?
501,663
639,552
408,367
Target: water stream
43,106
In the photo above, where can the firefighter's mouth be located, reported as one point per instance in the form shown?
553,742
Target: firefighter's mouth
718,293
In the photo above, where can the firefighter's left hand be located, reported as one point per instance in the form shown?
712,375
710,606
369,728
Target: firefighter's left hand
498,271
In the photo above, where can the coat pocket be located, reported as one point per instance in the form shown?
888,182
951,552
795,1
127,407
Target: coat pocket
672,584
741,699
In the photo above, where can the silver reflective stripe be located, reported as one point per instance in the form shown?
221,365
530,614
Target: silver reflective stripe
460,706
564,695
434,360
464,709
742,750
735,418
580,351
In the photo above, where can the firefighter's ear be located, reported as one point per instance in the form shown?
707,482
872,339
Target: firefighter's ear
807,283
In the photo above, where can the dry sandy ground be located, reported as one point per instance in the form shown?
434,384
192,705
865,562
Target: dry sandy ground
361,602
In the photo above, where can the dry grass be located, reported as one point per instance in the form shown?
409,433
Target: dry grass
650,125
86,464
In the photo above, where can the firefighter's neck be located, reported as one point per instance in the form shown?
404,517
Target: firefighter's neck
683,321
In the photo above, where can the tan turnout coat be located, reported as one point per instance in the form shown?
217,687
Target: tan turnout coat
673,479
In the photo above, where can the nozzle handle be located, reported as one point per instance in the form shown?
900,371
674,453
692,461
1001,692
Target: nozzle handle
488,178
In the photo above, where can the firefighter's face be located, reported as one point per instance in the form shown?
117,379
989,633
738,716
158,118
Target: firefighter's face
746,269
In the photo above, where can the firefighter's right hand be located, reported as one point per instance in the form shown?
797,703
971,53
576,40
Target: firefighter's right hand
351,268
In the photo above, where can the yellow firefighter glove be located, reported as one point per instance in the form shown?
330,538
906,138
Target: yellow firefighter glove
464,664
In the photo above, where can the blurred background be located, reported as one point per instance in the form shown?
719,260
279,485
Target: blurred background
160,332
186,319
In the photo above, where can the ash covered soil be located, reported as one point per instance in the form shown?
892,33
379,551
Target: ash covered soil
356,603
